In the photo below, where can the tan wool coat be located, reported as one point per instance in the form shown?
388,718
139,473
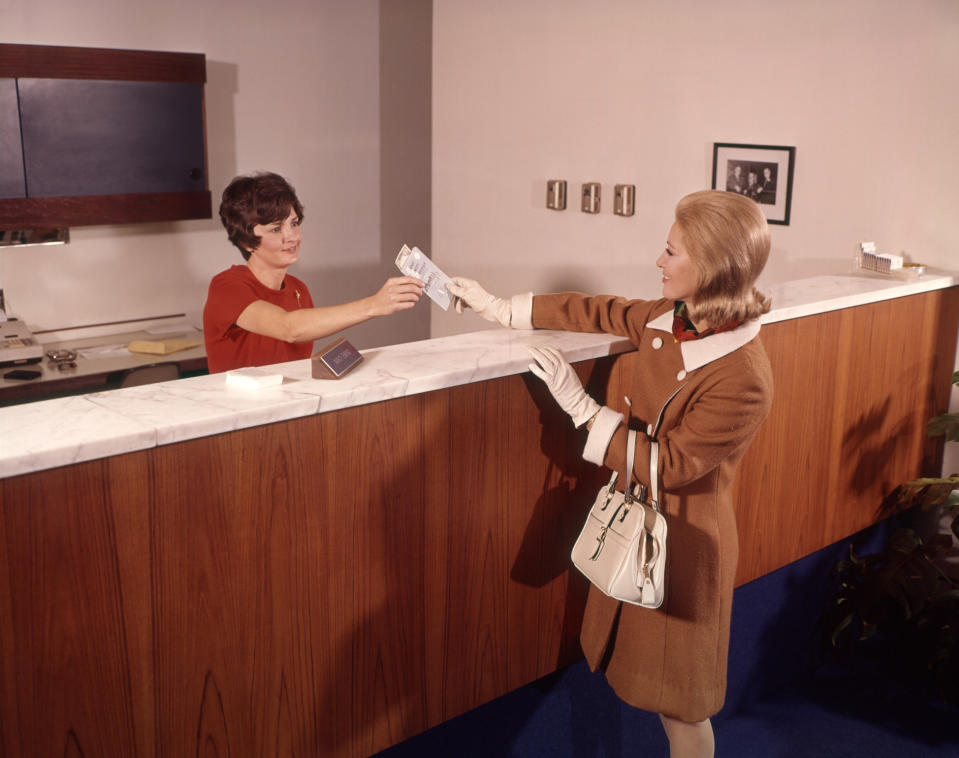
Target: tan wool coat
673,660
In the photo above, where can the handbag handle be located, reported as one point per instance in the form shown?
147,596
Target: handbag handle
654,474
654,453
630,457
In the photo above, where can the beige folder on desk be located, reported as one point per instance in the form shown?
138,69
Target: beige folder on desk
161,347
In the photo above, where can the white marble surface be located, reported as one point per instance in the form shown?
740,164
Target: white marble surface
820,294
65,430
202,405
50,433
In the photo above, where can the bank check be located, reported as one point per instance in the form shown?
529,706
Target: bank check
414,262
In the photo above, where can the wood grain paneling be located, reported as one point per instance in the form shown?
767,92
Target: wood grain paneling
331,585
550,491
75,632
785,472
63,62
474,647
299,558
36,212
854,389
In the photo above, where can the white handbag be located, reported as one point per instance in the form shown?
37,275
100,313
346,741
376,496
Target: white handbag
622,546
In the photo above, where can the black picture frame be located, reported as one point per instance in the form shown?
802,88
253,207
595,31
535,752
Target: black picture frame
762,172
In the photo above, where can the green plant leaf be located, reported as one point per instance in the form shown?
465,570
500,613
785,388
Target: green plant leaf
901,600
927,492
945,424
904,541
844,622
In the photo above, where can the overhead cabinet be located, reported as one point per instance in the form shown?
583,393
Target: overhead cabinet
92,136
12,183
124,137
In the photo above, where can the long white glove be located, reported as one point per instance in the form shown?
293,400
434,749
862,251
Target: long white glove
470,294
567,389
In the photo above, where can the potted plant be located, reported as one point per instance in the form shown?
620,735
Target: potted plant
900,605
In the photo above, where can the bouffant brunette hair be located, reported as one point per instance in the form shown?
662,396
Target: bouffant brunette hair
727,238
261,198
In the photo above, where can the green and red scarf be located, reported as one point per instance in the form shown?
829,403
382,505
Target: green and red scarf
683,328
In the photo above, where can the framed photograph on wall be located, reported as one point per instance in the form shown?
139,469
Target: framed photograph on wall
762,172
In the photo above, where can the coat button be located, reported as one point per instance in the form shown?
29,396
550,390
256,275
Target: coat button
681,375
657,343
649,430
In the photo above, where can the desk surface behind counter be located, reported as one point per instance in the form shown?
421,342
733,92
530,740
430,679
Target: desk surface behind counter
101,360
61,431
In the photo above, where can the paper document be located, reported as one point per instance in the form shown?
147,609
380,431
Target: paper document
416,263
104,351
171,329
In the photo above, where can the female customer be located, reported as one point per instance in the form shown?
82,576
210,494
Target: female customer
258,314
701,339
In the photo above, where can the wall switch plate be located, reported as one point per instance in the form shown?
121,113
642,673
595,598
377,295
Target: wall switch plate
556,194
591,197
624,199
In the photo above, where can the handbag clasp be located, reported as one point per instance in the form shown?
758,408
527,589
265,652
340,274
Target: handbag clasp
601,539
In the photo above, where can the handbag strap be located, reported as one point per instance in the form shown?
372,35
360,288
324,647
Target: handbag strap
654,453
630,457
654,474
662,412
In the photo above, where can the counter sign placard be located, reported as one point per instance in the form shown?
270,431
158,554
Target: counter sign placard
335,360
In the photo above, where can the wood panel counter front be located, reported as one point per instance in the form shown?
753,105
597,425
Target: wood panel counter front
332,584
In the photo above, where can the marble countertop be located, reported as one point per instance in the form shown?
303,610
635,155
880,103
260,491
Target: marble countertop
820,294
50,433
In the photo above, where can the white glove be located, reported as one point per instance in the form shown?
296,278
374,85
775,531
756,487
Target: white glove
470,294
554,369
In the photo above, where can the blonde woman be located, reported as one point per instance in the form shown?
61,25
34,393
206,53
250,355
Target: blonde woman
701,341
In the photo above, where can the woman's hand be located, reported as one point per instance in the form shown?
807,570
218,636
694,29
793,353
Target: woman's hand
567,389
468,293
398,293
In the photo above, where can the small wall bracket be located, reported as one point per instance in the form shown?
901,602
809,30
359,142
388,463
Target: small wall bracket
591,197
624,199
556,194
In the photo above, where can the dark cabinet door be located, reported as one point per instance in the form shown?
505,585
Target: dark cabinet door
11,155
90,137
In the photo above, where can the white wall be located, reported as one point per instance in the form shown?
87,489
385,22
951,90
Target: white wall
630,91
637,91
294,86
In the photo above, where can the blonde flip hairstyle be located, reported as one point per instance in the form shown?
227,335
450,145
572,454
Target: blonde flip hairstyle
727,238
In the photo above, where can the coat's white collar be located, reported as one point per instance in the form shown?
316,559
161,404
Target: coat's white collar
699,352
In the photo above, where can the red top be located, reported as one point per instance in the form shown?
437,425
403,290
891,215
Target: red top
227,345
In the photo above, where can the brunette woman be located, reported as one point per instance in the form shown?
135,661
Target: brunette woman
257,314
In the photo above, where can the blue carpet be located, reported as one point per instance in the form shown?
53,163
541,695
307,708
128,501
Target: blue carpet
574,714
782,700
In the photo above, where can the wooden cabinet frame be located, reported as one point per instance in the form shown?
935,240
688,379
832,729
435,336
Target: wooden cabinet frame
41,61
